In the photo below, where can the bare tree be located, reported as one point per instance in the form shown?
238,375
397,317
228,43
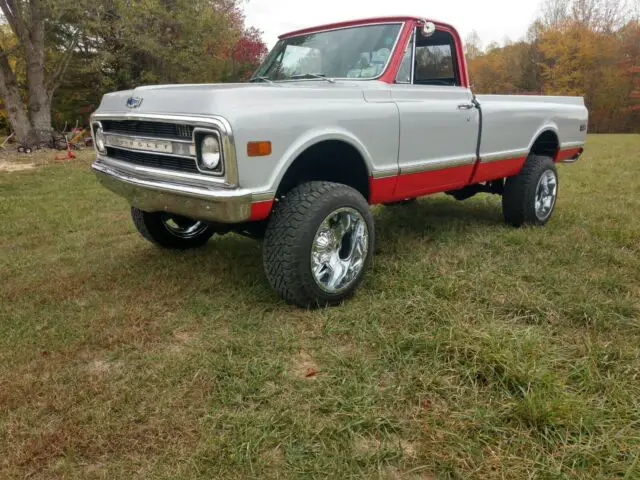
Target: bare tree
472,45
26,18
554,12
601,15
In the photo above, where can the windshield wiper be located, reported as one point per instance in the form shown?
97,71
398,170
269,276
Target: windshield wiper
320,76
261,79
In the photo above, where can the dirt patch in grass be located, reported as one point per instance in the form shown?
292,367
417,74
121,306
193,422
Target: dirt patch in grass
183,341
13,161
274,457
15,167
366,445
102,368
304,367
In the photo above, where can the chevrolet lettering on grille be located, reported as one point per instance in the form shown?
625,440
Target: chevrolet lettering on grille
139,144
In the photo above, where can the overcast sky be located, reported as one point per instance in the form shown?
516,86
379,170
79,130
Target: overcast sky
492,19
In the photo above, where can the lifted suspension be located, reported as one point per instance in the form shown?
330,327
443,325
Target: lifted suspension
495,187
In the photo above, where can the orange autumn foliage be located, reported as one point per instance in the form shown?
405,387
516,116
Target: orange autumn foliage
571,58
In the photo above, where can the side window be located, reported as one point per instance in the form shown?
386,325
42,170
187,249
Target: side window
404,72
436,62
434,65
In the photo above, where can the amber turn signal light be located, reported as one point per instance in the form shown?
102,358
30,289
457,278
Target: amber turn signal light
258,149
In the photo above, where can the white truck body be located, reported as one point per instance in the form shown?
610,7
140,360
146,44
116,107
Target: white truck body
393,118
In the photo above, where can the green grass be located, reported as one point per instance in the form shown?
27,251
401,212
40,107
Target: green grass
473,350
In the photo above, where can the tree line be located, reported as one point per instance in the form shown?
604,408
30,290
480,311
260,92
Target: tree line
589,48
58,57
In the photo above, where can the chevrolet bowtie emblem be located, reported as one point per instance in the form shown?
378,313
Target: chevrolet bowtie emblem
134,102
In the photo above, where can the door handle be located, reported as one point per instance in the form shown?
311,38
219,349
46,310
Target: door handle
466,106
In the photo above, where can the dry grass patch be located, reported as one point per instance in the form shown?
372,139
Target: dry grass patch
473,350
15,167
303,366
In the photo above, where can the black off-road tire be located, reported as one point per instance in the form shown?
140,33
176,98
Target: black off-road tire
151,226
289,238
518,198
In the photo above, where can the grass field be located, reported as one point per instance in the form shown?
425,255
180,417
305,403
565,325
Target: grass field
473,350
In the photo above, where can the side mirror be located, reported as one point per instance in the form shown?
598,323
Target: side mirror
428,29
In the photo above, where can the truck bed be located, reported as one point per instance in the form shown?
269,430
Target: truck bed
511,123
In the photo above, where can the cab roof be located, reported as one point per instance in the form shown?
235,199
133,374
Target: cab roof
363,21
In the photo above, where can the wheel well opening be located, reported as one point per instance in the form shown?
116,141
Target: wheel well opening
331,161
546,144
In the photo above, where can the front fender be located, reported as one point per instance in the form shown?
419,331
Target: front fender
313,137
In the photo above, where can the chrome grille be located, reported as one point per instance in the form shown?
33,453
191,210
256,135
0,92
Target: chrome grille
166,143
140,141
148,129
154,160
184,130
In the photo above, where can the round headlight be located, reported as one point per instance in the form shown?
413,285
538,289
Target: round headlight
101,142
210,152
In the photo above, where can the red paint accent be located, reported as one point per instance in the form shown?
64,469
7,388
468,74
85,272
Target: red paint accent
568,153
410,22
260,210
390,74
349,23
410,185
381,189
497,169
432,181
462,61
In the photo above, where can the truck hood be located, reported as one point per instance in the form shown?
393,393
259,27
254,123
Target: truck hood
227,98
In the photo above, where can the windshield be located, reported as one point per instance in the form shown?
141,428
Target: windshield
356,52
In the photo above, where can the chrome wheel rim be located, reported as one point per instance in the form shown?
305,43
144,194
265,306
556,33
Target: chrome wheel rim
183,227
339,250
546,193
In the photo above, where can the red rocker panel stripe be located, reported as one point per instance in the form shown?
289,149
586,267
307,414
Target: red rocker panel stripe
391,189
399,187
432,181
497,169
381,190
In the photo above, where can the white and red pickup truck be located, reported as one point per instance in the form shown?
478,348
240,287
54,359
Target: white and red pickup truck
337,118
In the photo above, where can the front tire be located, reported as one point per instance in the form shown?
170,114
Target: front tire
171,231
530,197
318,244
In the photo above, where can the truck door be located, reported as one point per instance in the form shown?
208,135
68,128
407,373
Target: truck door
438,121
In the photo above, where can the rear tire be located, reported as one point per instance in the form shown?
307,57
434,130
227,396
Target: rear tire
530,197
171,231
318,244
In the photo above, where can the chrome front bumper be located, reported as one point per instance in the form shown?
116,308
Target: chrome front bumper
200,202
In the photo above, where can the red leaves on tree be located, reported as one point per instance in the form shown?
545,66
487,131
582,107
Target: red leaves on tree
250,49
